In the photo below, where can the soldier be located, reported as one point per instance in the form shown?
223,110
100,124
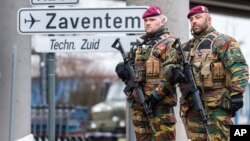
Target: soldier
221,74
153,60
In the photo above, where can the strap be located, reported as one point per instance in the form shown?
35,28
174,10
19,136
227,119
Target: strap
151,52
212,36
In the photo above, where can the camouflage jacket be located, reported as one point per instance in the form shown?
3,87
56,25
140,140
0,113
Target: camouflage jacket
151,55
223,50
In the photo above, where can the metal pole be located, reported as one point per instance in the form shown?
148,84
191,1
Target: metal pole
13,93
130,133
51,95
43,71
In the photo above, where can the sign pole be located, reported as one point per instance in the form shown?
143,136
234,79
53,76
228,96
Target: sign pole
51,95
13,93
43,80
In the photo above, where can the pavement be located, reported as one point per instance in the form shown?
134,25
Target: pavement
180,130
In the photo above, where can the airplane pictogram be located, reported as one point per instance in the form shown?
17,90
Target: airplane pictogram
32,20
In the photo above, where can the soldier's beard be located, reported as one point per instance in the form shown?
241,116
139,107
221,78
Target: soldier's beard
202,28
198,32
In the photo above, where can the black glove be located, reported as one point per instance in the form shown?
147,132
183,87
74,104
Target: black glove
151,101
236,103
178,76
121,71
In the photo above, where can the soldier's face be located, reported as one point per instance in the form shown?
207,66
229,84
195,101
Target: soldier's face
152,24
200,23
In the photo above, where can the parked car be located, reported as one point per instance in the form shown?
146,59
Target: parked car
108,118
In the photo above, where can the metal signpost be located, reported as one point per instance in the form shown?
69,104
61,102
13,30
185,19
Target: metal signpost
80,20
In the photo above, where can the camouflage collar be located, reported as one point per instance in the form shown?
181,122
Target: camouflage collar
204,34
156,35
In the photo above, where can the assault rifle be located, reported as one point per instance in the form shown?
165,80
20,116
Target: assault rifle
131,84
191,87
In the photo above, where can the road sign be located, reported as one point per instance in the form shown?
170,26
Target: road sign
53,2
79,20
80,44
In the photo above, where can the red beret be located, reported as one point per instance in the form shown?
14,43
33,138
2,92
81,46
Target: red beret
197,9
152,11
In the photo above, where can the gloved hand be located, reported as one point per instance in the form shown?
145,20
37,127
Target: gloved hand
121,71
178,76
151,101
236,103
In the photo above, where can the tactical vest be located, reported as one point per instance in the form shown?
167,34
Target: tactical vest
208,69
148,68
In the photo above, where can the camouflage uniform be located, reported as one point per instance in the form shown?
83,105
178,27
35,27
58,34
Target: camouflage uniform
148,59
220,71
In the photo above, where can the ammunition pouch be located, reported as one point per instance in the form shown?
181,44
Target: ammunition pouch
152,68
211,75
153,71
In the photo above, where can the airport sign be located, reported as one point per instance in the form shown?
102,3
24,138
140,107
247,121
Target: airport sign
80,20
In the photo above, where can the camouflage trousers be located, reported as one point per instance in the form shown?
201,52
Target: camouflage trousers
219,125
163,121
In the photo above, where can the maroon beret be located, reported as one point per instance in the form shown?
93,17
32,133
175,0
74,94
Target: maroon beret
152,11
197,9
